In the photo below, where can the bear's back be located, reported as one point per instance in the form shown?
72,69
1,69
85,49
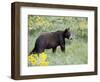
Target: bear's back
51,35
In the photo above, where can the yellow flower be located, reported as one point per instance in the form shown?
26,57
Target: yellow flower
33,62
43,56
44,63
40,60
31,59
35,56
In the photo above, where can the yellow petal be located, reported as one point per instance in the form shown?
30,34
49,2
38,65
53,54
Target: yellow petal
44,63
43,56
35,56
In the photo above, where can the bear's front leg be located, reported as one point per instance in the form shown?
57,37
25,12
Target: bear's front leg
62,48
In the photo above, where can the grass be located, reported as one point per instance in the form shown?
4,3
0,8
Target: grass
75,53
76,50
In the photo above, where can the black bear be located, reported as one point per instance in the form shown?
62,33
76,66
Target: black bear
51,41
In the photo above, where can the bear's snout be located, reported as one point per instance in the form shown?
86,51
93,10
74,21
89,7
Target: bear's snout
71,39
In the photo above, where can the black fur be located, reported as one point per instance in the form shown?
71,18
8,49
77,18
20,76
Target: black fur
51,41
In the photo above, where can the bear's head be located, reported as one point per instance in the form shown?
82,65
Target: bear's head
67,34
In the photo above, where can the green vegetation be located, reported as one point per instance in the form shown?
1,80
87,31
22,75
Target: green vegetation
76,50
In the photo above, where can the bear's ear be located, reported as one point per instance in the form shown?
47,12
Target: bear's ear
66,30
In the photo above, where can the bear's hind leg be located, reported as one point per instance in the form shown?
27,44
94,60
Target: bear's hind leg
40,50
32,52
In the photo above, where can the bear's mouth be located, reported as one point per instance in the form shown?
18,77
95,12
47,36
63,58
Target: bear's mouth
70,38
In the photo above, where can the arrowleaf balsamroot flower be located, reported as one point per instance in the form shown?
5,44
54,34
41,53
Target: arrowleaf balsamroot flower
38,60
